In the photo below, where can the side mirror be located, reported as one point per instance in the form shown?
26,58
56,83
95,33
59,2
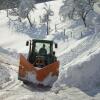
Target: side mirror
27,43
56,45
53,52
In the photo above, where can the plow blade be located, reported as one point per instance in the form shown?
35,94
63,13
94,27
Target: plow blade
45,76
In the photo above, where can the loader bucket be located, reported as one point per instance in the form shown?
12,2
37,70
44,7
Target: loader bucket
45,76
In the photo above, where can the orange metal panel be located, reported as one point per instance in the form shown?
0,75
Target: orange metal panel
41,73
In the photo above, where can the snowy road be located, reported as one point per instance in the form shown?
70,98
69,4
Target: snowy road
23,92
16,90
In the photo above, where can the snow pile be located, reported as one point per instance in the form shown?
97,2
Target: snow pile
81,68
83,74
4,74
7,57
8,68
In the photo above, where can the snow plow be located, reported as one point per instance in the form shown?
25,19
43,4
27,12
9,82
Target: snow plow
41,66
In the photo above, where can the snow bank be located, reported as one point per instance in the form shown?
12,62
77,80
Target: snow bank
8,68
4,75
83,68
9,57
83,74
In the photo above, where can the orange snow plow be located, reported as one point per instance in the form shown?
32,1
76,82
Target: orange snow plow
41,66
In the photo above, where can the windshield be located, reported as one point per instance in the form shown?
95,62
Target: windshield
42,45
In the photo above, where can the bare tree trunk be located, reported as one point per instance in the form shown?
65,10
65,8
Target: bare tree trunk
7,12
72,13
83,16
47,24
84,21
29,20
47,29
55,27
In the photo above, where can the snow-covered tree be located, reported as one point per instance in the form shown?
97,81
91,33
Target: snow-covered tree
25,7
75,9
46,17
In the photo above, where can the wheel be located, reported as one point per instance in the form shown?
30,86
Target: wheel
26,82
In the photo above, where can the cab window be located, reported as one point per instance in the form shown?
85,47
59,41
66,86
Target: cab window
40,45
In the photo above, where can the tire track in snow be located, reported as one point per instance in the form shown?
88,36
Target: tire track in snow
10,86
1,61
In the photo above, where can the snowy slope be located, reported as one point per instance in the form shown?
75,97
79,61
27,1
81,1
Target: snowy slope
9,39
4,75
14,34
81,66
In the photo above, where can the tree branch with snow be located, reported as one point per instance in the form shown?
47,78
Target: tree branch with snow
76,9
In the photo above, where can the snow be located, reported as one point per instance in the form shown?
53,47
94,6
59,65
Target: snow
97,7
78,52
4,75
78,68
48,81
9,38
